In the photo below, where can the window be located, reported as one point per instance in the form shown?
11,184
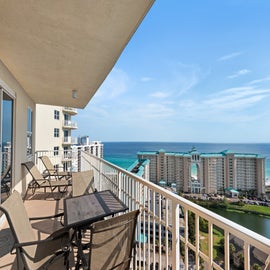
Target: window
56,114
56,132
56,151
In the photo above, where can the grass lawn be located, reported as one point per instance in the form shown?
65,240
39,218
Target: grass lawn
217,237
256,209
249,208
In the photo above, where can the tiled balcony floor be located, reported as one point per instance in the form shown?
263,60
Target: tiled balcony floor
36,205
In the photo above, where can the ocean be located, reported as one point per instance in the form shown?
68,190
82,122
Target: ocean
123,154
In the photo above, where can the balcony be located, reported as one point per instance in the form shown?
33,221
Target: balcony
69,140
172,232
67,124
57,157
70,111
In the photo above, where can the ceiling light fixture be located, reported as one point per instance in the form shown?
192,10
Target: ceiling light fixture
74,94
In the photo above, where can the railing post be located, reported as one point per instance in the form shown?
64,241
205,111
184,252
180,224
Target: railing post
246,256
100,173
227,250
79,160
175,236
186,237
197,241
119,184
211,243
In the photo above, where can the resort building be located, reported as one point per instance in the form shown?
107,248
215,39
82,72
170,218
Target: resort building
54,125
196,172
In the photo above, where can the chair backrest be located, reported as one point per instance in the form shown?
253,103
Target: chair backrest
18,220
112,242
47,163
6,172
82,183
33,170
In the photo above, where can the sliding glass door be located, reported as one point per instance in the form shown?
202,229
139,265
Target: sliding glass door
6,139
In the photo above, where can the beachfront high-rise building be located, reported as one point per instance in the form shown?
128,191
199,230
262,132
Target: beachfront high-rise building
84,144
92,147
196,172
53,127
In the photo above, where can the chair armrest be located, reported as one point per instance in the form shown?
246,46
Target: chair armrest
59,167
47,217
31,243
48,172
56,235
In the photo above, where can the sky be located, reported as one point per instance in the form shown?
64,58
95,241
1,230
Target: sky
194,71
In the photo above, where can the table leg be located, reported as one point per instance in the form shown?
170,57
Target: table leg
81,260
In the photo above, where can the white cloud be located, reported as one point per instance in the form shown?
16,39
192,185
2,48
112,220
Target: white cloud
185,77
230,105
237,98
115,85
160,94
147,79
188,104
237,104
155,110
239,73
229,56
265,79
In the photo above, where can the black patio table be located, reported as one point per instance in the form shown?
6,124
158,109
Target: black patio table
81,211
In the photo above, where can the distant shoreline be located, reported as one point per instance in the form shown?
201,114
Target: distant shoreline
124,153
251,209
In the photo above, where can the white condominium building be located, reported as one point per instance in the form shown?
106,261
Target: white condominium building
92,147
84,144
53,127
197,172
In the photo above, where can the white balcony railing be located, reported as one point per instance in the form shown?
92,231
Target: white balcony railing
69,124
172,232
62,159
70,140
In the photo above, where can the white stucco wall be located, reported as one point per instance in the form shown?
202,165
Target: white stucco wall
21,103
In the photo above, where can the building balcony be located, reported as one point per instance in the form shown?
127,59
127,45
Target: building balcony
67,124
58,157
70,140
172,232
70,111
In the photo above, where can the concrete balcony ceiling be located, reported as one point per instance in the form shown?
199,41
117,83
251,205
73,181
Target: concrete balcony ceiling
53,47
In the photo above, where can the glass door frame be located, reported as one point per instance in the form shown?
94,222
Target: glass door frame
5,91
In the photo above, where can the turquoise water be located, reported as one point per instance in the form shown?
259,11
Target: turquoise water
123,154
121,162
